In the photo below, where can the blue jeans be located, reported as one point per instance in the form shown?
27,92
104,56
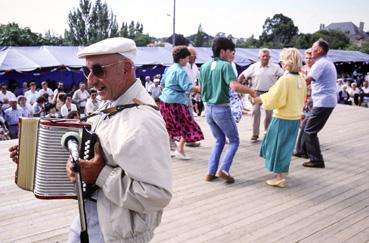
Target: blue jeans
222,125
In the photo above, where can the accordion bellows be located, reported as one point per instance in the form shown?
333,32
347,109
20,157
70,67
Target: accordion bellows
42,158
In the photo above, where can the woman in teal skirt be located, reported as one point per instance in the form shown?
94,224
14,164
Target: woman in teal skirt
286,99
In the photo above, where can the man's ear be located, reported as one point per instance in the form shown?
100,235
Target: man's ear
127,67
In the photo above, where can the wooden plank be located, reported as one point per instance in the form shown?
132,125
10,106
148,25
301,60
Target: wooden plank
319,205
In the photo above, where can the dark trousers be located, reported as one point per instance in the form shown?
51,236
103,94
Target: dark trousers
299,149
310,141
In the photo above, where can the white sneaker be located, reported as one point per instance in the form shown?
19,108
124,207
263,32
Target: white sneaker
181,156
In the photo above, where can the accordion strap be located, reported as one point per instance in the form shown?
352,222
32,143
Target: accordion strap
114,110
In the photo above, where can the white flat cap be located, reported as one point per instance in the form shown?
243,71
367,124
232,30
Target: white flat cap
125,47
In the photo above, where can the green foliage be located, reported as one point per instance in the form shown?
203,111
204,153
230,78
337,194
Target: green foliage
363,48
303,41
250,42
13,35
278,32
90,23
336,39
200,38
51,39
135,31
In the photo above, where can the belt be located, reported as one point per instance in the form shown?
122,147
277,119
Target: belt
12,125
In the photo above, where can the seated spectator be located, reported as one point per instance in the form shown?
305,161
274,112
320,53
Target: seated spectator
59,100
38,107
46,90
92,103
27,110
73,115
51,111
364,94
354,92
68,106
344,96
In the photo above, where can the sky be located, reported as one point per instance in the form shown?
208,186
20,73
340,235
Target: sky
241,18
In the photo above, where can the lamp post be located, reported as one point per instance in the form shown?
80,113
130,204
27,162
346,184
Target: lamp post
174,24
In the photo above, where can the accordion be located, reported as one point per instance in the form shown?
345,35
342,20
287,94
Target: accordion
42,159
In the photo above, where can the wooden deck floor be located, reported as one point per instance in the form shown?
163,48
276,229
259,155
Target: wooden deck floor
319,205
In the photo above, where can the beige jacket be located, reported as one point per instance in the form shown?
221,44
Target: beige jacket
136,180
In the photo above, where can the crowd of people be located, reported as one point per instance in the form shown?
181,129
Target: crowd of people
133,178
353,91
43,102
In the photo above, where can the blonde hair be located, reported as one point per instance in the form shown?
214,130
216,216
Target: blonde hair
291,59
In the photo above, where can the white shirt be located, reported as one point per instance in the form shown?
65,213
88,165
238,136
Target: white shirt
64,109
91,106
263,77
31,97
192,72
81,97
48,91
155,90
8,95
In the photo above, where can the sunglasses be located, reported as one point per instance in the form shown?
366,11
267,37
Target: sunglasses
97,69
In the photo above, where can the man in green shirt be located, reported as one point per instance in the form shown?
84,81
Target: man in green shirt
216,78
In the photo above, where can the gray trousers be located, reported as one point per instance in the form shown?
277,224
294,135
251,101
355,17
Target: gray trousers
256,114
310,141
93,226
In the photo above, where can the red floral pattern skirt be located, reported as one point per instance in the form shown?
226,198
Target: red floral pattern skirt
180,123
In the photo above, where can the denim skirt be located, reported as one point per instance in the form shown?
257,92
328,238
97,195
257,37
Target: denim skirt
278,144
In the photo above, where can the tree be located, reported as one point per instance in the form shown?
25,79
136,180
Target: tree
250,42
304,41
13,35
135,31
199,38
53,40
90,23
336,39
179,40
278,31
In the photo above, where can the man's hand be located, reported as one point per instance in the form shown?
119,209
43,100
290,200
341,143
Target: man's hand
14,153
90,169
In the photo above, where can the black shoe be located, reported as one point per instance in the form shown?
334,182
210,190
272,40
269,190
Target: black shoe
314,164
300,155
193,144
254,138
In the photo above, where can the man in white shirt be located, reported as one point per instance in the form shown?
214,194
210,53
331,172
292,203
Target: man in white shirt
263,75
68,106
92,103
45,89
148,83
80,97
155,89
5,96
193,73
32,94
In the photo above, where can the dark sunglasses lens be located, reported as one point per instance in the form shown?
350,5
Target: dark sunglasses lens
86,71
97,70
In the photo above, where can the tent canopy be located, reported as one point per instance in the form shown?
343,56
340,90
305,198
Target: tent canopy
31,58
